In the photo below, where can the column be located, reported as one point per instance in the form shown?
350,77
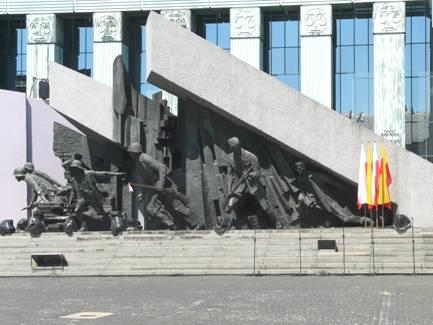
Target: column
316,53
246,35
389,109
44,44
107,44
182,18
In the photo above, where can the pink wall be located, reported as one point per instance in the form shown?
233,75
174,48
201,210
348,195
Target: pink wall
43,117
13,194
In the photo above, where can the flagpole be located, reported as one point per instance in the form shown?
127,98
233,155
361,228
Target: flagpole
377,216
365,214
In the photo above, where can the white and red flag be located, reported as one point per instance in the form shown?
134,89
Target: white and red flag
130,189
375,176
362,188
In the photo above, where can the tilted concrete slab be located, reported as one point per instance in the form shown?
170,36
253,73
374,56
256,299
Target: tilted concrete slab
188,66
81,99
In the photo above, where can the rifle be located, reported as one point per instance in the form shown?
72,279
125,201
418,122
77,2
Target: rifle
238,183
169,190
240,180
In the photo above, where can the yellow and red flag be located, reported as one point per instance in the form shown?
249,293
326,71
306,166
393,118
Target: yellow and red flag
384,181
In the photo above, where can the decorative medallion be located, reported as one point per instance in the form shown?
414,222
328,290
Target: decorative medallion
41,28
389,17
180,17
245,22
108,27
316,20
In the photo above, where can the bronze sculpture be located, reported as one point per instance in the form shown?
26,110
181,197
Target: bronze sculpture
166,204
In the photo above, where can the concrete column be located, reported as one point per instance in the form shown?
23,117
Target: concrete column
246,35
316,53
389,110
107,44
44,44
183,18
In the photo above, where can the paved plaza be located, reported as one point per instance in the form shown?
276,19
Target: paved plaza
218,300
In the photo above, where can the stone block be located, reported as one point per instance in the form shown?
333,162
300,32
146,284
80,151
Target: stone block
259,102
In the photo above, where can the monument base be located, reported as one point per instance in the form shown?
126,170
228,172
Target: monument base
239,252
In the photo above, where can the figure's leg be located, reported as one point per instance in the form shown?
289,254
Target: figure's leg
158,211
80,207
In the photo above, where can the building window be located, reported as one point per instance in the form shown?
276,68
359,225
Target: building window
78,44
215,28
137,57
13,54
354,65
281,48
419,120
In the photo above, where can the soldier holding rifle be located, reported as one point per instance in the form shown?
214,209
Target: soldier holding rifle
167,202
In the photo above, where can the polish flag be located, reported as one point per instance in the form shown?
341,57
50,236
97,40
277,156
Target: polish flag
362,188
375,176
130,189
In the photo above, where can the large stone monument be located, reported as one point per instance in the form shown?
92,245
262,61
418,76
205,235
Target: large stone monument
244,152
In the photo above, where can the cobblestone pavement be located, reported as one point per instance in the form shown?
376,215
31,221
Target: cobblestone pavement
220,300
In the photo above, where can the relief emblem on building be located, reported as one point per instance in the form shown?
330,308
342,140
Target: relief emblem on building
41,28
108,27
316,20
246,22
389,17
180,17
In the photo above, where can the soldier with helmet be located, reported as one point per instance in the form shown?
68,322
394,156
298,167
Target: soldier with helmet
86,192
30,169
167,202
43,190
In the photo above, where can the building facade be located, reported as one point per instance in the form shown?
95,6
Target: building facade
370,61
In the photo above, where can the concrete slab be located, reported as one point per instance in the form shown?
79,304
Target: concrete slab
82,99
188,66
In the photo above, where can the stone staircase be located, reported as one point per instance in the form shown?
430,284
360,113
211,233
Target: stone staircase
245,252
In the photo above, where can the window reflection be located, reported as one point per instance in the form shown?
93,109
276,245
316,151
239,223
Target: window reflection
78,44
137,56
13,54
215,28
281,48
354,94
419,123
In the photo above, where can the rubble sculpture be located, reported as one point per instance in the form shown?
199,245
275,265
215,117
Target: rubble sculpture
313,200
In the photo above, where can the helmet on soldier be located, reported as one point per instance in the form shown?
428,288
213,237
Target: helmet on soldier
135,147
28,166
77,164
19,172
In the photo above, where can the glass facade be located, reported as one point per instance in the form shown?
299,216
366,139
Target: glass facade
354,64
137,56
78,44
281,47
13,54
215,28
419,122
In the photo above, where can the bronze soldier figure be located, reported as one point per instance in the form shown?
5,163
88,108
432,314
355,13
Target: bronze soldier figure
86,192
244,179
167,201
312,196
30,169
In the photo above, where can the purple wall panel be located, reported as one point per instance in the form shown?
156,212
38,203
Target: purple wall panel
13,194
16,145
43,117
